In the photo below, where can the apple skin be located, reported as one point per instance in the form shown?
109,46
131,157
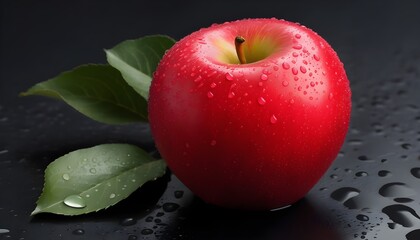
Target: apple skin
253,136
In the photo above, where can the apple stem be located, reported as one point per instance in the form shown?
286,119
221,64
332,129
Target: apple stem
240,49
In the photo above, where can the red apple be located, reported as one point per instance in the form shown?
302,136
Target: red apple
253,126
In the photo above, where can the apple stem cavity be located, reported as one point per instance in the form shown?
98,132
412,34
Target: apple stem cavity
240,49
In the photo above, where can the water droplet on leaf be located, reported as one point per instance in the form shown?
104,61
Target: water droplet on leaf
66,176
75,201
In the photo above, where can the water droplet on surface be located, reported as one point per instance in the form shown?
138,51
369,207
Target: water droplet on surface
66,176
285,66
406,146
273,119
229,76
312,84
413,235
261,101
132,237
179,194
344,194
384,173
264,77
78,232
363,158
415,172
403,200
362,217
316,57
396,189
213,85
361,174
146,231
294,71
112,195
333,176
302,69
285,83
297,35
170,207
75,201
128,221
92,170
401,214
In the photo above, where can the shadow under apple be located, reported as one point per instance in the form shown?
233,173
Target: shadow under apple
303,220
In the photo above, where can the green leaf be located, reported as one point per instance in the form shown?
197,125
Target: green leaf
137,60
97,91
91,179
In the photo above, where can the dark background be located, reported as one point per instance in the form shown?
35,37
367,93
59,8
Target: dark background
370,192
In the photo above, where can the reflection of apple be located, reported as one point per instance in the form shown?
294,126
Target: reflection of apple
253,126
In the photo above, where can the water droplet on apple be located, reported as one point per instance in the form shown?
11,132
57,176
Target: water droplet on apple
197,79
285,83
305,62
302,69
331,95
312,84
112,195
231,95
273,119
295,54
299,88
264,77
213,85
297,46
210,94
316,57
261,101
275,68
297,36
296,78
229,76
294,71
285,66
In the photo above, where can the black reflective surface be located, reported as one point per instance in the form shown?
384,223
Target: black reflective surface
370,192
